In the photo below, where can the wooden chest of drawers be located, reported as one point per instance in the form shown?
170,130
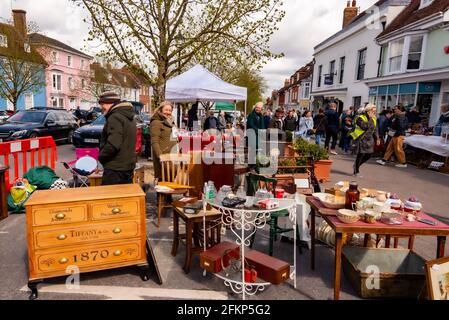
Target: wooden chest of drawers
91,229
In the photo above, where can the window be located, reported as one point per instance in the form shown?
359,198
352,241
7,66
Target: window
361,64
395,57
9,105
342,68
69,61
57,85
82,64
83,84
3,41
306,91
29,101
415,52
55,57
71,86
72,103
57,102
320,74
332,70
357,102
27,47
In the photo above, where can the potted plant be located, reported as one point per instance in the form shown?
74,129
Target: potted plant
320,156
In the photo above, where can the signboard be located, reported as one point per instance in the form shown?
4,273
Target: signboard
329,79
430,87
373,91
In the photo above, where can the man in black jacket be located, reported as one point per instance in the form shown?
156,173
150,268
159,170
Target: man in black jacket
118,140
332,127
290,122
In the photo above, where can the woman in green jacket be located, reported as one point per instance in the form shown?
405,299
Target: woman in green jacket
163,135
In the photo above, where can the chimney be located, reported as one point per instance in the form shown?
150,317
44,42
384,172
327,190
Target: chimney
351,11
20,22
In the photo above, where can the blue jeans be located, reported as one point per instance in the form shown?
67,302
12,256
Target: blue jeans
318,139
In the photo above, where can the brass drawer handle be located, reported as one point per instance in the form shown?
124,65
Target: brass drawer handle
117,230
117,253
62,237
60,216
63,261
116,210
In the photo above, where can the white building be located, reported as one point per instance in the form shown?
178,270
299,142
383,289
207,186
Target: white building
346,59
415,61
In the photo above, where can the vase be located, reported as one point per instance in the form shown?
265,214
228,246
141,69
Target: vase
323,170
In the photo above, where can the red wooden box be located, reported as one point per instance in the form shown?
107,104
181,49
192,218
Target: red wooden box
268,268
213,259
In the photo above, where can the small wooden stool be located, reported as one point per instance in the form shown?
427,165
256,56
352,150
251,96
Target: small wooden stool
194,233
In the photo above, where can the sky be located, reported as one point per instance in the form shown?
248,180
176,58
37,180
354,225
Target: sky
306,24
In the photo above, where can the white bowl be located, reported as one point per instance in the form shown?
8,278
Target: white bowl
348,216
329,200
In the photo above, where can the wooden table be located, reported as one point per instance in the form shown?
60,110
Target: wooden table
194,226
3,193
441,231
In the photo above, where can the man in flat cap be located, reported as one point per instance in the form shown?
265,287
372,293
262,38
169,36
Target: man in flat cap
118,140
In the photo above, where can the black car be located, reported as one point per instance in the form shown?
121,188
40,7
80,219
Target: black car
89,136
39,122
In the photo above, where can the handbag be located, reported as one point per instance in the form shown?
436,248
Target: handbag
233,202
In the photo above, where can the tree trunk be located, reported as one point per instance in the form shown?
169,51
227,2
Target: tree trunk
160,85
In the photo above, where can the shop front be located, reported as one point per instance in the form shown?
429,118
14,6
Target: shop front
425,96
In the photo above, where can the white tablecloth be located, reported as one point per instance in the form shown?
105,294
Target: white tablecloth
432,144
302,215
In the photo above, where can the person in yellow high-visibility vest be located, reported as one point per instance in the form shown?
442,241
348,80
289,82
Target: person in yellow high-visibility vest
365,136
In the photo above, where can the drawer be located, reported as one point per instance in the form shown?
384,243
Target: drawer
59,214
90,256
51,237
115,209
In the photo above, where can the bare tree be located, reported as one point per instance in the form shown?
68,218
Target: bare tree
159,38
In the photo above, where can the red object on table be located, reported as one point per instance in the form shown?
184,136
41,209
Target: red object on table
250,275
280,193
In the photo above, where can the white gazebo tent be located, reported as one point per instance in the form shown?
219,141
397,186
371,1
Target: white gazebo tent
199,84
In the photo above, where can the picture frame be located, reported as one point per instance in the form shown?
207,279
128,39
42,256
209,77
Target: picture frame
437,273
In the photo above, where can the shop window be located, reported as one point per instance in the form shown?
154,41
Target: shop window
332,70
392,101
415,53
395,56
407,100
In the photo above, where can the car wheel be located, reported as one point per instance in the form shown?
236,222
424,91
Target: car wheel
70,137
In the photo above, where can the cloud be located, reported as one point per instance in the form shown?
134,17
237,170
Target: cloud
306,24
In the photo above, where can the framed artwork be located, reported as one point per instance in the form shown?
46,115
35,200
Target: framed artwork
437,272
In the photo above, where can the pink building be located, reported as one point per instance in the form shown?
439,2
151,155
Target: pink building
68,76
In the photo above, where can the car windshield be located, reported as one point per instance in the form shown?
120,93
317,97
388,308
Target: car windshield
100,121
26,116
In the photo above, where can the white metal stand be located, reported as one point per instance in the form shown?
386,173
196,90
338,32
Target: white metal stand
244,223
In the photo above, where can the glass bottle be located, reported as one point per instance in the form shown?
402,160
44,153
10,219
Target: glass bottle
352,195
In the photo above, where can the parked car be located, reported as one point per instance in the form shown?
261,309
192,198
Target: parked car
89,136
3,116
39,122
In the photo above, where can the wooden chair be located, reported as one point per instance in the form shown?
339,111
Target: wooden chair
259,181
174,171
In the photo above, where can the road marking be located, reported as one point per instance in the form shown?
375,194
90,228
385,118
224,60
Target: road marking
129,293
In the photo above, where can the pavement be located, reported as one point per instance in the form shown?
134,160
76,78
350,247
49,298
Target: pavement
431,187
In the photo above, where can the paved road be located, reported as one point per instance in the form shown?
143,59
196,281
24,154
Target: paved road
431,187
